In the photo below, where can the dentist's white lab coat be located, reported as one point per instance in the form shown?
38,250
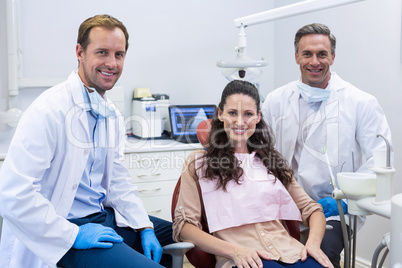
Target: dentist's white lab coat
347,122
41,173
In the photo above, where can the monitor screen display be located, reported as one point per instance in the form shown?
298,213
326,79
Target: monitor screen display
184,119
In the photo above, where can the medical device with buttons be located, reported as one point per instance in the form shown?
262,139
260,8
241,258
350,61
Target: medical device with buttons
149,117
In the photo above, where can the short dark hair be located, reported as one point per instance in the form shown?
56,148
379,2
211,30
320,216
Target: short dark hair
315,28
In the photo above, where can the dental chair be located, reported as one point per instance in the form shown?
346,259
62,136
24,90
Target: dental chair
197,257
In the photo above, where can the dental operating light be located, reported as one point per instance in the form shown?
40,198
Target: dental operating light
242,67
246,68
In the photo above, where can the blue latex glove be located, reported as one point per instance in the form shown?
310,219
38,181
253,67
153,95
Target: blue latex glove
151,244
92,235
330,207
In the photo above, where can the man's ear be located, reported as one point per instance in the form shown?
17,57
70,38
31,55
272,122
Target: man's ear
333,59
297,58
79,51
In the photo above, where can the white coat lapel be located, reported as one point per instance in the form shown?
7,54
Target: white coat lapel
78,142
288,139
294,102
78,114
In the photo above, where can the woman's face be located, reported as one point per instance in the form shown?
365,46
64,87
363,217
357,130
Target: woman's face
239,117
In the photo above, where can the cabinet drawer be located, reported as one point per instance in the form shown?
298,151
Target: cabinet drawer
146,167
148,189
158,206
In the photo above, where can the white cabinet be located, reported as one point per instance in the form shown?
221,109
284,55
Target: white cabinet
156,175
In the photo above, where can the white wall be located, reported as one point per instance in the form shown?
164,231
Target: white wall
368,55
174,45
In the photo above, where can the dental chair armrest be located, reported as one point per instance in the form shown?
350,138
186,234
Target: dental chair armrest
304,231
177,251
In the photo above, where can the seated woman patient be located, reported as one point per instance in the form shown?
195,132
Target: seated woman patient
246,190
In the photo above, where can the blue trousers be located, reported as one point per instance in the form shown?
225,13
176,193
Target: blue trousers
127,254
309,263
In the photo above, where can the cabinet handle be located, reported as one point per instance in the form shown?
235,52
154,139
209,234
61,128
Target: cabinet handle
148,175
154,160
149,190
154,211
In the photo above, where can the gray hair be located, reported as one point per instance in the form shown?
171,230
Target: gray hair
315,28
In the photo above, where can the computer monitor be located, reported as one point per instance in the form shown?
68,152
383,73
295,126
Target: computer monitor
184,120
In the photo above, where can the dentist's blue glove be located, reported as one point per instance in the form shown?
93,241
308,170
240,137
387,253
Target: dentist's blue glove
92,235
151,244
330,207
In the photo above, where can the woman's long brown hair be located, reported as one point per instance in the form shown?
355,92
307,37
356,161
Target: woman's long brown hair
220,162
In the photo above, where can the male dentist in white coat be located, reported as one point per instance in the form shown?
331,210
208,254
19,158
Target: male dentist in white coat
322,115
65,196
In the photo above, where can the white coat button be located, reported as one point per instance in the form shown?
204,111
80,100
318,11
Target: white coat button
86,151
75,186
270,247
262,234
180,207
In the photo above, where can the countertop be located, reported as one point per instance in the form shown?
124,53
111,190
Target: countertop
134,145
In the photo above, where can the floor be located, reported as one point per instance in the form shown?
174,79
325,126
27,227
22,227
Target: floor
187,265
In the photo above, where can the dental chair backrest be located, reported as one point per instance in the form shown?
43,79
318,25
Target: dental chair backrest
203,130
197,257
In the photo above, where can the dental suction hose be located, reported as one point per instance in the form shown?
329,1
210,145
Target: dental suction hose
344,234
338,195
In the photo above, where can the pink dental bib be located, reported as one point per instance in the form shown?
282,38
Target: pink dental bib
259,197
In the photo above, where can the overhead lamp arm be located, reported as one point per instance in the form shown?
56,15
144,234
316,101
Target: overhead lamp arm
242,41
289,11
242,67
242,64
